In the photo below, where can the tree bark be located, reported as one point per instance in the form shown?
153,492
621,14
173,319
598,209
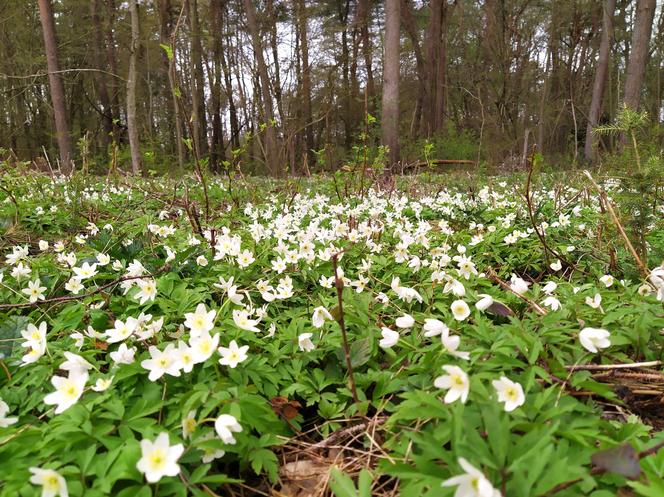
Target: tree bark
390,101
363,19
100,77
217,149
132,127
55,83
113,67
306,78
600,77
636,66
272,152
198,117
411,28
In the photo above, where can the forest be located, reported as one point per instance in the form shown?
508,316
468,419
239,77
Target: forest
299,86
331,248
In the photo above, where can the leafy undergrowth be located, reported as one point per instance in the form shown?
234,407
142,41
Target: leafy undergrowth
155,343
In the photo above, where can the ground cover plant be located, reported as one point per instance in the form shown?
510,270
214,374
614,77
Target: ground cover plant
439,336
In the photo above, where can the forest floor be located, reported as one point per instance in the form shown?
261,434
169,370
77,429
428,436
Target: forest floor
441,335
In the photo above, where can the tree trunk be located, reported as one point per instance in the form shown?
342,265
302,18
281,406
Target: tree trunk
600,77
306,78
411,28
274,45
390,102
132,127
228,87
272,152
198,118
57,91
433,54
363,19
217,149
113,67
100,77
636,66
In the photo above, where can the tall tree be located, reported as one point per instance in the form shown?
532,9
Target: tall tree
101,74
132,125
638,56
390,101
57,91
198,117
306,78
600,77
272,150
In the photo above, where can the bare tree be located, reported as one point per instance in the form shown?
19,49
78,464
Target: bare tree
636,66
57,92
306,77
272,151
390,102
600,77
132,128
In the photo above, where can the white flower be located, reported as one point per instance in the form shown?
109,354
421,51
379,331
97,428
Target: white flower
509,392
550,287
552,302
201,321
319,316
242,321
161,363
74,285
460,310
121,330
390,338
189,424
484,303
67,391
4,420
34,291
518,285
75,364
451,344
201,261
233,355
595,301
471,484
185,357
203,346
102,384
43,245
85,271
159,458
35,337
456,383
245,259
20,270
593,339
52,482
148,290
123,355
434,327
210,454
607,279
225,425
103,259
406,321
304,342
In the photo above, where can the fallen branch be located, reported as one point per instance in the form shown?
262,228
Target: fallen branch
607,367
69,298
503,284
621,230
